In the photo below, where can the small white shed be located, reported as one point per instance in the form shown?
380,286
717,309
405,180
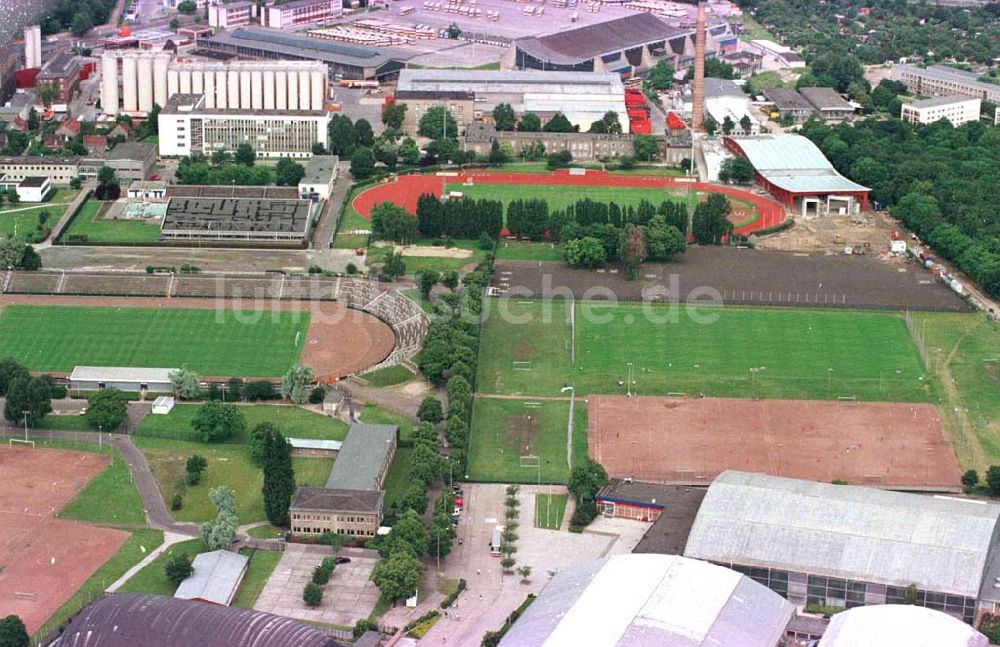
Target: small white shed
163,405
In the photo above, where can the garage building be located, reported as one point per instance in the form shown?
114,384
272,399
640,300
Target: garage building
124,378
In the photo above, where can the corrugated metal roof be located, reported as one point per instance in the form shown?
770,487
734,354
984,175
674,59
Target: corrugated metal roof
362,455
493,81
121,374
826,99
897,624
216,577
315,443
651,600
584,43
129,620
794,163
938,543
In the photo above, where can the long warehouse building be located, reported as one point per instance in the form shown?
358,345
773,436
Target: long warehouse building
132,81
471,95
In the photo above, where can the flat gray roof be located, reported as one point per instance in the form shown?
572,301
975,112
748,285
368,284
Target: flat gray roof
320,169
826,99
216,577
303,47
940,101
939,543
132,151
315,443
121,374
788,99
362,456
514,81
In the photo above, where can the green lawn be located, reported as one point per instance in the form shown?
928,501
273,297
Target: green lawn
389,376
25,219
110,497
65,423
819,354
397,481
521,251
209,342
152,580
262,563
267,531
131,553
964,353
560,197
504,430
378,416
228,464
293,422
351,220
126,230
549,510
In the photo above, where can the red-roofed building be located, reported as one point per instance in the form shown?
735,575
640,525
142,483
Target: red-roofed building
69,128
95,143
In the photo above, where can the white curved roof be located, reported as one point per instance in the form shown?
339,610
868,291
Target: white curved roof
794,163
938,543
898,625
651,600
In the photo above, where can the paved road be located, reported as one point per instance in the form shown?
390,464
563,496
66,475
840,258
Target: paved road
135,259
327,226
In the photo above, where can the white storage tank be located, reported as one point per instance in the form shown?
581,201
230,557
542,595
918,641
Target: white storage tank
160,65
198,81
318,90
210,89
221,90
173,82
244,90
304,90
280,90
268,79
130,88
185,81
109,84
233,90
256,90
145,70
293,91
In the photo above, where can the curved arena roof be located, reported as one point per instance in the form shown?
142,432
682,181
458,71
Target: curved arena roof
794,163
938,543
651,600
130,620
897,625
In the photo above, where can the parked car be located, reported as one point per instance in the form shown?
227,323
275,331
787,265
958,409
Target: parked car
341,560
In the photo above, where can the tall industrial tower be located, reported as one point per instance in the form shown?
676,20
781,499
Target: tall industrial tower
698,96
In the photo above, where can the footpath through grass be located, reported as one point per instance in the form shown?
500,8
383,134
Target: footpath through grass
152,579
294,422
504,431
798,353
209,342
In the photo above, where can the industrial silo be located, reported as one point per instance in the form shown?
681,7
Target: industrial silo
109,83
160,65
145,82
130,88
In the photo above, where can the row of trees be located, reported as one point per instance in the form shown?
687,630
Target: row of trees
462,218
939,180
238,168
506,120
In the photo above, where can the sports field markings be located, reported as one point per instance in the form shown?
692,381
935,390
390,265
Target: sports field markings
522,366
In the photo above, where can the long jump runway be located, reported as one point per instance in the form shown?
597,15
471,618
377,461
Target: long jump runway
691,441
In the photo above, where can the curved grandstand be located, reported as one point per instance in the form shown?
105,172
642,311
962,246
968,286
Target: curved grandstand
405,317
795,171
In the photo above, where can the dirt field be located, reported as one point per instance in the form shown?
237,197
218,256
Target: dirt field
745,277
340,340
44,560
407,189
690,441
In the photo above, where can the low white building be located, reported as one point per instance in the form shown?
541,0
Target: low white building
216,579
955,108
33,188
147,190
724,98
186,127
124,378
163,405
321,172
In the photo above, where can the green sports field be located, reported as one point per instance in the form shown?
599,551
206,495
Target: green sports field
505,430
560,197
209,342
811,354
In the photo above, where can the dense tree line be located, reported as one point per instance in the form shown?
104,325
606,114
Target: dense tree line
891,30
939,180
462,218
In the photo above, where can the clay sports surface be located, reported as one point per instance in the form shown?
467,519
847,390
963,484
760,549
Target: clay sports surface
690,441
44,560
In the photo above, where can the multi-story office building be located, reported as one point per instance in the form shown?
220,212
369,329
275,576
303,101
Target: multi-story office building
300,12
227,15
944,80
188,126
63,71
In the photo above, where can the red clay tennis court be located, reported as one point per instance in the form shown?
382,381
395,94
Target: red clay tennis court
690,441
406,189
44,560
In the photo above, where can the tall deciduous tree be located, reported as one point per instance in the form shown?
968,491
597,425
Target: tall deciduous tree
28,398
279,479
107,410
13,632
218,421
398,576
503,117
295,384
438,123
220,532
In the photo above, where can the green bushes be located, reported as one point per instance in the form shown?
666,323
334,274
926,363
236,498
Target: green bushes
450,600
321,574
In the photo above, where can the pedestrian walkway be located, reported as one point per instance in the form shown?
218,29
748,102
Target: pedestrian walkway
169,539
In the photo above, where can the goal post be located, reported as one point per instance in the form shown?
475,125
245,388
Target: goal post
530,460
21,441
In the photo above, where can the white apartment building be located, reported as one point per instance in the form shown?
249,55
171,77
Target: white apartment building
187,126
956,109
227,15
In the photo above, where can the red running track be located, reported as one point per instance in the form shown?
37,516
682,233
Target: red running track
405,190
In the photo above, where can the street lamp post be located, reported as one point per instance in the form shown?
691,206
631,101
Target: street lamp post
25,412
829,382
